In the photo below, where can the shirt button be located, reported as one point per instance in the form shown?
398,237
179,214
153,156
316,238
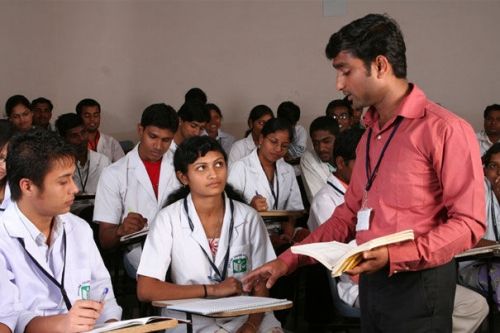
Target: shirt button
379,137
396,272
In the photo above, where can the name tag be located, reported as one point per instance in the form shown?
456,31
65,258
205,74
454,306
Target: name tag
363,219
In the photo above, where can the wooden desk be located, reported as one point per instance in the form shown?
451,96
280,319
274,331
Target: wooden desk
486,254
282,213
225,314
151,327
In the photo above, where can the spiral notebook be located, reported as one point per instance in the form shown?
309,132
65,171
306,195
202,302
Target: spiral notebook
227,304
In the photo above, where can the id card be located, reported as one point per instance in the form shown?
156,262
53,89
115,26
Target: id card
363,219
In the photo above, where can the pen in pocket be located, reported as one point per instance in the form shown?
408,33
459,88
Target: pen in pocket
103,295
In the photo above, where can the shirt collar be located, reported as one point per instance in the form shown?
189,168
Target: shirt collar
37,236
412,106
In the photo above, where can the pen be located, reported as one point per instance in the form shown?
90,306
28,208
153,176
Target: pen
103,295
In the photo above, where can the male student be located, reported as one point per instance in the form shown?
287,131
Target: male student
90,112
491,132
42,113
193,117
341,111
131,191
405,177
317,165
89,164
18,111
50,254
291,112
195,94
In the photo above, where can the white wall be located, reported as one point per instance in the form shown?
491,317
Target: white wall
129,54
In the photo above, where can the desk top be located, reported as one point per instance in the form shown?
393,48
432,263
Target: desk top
282,213
479,253
151,327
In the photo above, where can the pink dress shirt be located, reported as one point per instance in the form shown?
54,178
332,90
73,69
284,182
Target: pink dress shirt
430,180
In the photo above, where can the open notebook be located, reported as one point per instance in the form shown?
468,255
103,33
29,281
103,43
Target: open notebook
227,304
139,233
340,257
132,323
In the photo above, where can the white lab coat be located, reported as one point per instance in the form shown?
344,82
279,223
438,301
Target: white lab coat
10,304
325,202
240,149
125,187
248,177
226,140
314,173
110,147
38,295
171,243
6,199
298,146
96,163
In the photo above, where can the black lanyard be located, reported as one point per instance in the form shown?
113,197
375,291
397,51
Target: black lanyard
371,175
335,188
222,276
493,217
83,183
48,275
276,195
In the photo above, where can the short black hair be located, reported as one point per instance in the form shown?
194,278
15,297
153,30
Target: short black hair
187,153
67,121
259,111
494,149
324,123
86,102
42,100
211,106
160,115
490,108
368,37
194,111
195,94
337,103
14,101
32,155
290,111
346,143
278,124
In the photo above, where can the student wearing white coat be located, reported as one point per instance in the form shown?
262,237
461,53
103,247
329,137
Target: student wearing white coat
50,254
208,239
266,181
259,115
132,190
6,132
90,112
10,305
213,130
193,117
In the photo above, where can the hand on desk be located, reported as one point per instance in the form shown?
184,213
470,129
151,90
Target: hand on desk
269,272
132,223
259,203
82,316
373,261
228,287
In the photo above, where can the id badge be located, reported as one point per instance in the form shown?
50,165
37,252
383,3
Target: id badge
364,215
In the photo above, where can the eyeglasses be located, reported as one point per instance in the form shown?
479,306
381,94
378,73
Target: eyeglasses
342,116
492,166
276,143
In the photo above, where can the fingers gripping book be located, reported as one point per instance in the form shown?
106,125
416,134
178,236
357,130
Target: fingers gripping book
340,257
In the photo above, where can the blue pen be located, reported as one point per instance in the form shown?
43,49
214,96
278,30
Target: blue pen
103,295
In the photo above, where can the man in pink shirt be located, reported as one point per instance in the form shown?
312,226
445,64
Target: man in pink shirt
419,168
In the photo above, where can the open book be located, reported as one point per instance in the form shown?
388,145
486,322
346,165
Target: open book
229,305
133,322
143,231
340,257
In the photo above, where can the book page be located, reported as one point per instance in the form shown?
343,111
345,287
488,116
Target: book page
226,304
126,323
327,253
141,232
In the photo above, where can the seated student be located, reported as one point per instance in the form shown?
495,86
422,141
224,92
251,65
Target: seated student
50,254
208,239
213,128
89,164
317,165
6,132
266,181
475,273
18,111
193,117
42,113
195,94
340,110
491,132
132,190
259,115
90,112
291,112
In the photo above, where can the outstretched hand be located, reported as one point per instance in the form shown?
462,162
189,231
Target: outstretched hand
269,272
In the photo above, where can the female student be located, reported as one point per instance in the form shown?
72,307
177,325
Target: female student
6,131
266,180
213,128
474,274
207,238
256,120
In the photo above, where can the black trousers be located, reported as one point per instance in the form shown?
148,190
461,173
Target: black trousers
413,302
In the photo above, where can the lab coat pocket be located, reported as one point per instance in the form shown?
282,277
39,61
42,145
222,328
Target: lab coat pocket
240,262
